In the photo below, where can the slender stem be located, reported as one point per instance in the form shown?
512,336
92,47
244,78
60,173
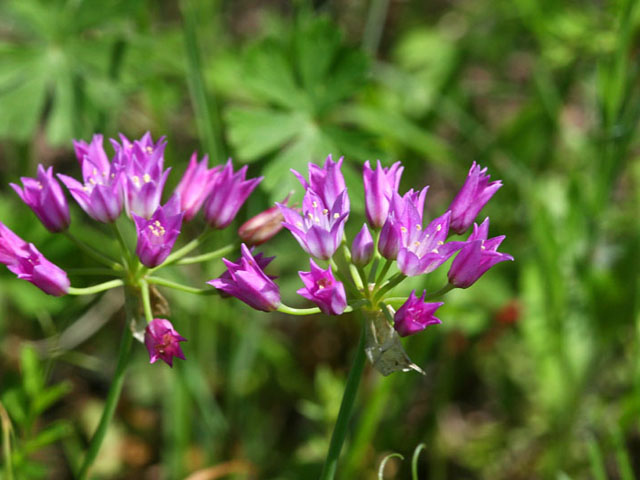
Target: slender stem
298,311
438,293
373,270
205,257
349,285
388,285
346,410
384,271
186,249
146,301
92,252
101,287
123,244
6,442
113,395
355,275
183,288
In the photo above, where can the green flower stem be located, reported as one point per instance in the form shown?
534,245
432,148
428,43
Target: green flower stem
438,293
123,244
205,257
388,285
315,310
185,250
92,252
384,271
101,287
114,391
343,278
355,275
346,410
373,270
183,288
146,301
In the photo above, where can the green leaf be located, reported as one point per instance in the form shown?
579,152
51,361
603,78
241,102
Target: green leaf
50,396
49,435
32,380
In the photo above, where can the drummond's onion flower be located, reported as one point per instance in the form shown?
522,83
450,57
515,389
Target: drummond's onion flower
246,280
478,255
379,186
157,235
29,264
195,185
162,341
229,191
391,235
415,315
362,247
472,197
45,197
327,182
322,289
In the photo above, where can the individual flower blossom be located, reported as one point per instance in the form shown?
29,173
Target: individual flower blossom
327,181
362,247
261,261
162,341
195,185
45,197
415,315
229,191
476,257
322,289
395,227
263,227
379,186
320,229
101,194
142,164
246,280
24,260
472,197
157,235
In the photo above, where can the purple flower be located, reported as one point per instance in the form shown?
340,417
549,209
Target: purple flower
229,191
362,247
142,164
322,289
477,256
327,182
472,197
379,186
29,264
400,216
195,185
162,341
264,226
45,197
157,235
101,194
247,281
415,315
320,229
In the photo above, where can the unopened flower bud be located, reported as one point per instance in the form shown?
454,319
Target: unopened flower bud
362,248
262,227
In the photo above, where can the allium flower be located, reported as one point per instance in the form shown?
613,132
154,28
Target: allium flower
101,194
229,191
472,197
263,226
162,341
362,247
142,164
195,185
327,182
478,255
247,281
379,186
45,197
29,264
157,235
320,229
322,289
415,315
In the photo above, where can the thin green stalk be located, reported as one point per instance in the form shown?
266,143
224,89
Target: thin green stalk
355,275
384,271
183,288
92,252
346,410
205,257
438,293
146,301
123,244
101,287
6,442
373,270
298,311
114,392
388,285
185,250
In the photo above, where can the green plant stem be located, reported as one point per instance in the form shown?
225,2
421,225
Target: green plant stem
183,288
388,285
298,311
123,244
146,301
384,271
101,287
185,250
6,442
205,257
114,392
92,252
346,410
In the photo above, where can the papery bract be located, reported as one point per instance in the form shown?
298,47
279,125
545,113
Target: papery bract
24,260
472,197
321,288
195,185
162,341
415,315
246,280
157,235
478,255
379,186
45,197
229,191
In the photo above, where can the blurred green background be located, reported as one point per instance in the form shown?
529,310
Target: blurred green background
535,371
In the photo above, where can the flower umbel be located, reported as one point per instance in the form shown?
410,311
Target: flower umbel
162,341
415,315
